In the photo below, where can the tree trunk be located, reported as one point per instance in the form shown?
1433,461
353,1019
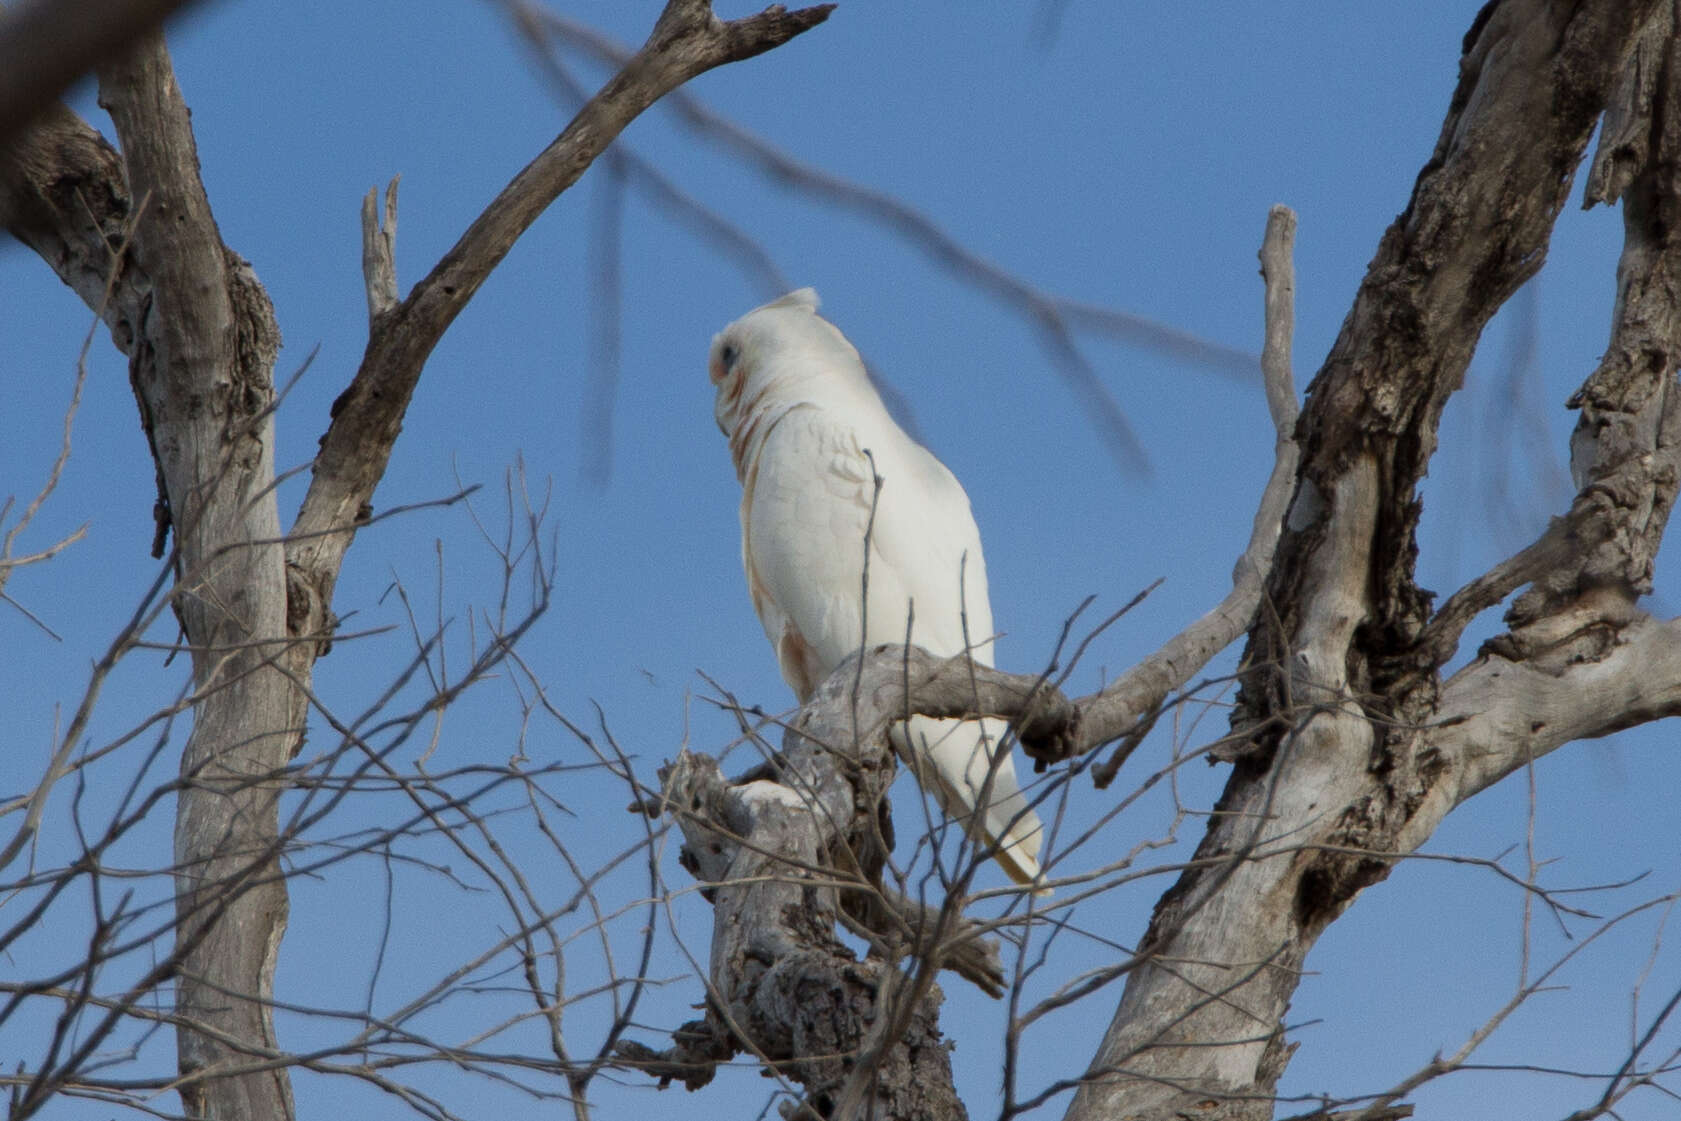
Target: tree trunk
202,370
792,847
1342,769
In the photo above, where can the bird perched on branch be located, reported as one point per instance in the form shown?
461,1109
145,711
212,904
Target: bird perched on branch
822,465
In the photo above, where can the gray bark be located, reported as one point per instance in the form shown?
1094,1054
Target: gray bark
202,369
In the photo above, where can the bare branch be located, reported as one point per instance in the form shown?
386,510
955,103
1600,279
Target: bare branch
687,40
1496,714
1137,693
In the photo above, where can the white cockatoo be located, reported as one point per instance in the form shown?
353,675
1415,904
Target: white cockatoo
806,427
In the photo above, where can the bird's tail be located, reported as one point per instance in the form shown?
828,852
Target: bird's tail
951,760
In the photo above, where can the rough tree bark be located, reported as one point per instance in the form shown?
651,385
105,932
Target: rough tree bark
1355,749
201,365
134,236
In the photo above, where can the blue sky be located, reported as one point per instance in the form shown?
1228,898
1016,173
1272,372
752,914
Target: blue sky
1126,159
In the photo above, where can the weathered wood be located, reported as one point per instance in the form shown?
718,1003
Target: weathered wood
202,366
782,849
1341,679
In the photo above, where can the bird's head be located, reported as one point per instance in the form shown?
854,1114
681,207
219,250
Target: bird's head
778,354
760,336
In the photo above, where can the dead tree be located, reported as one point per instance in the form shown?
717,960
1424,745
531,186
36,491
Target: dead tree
1352,741
1353,745
131,230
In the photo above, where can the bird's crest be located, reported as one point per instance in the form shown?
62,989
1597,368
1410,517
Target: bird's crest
802,298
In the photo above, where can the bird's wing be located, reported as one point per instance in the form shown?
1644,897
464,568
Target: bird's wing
925,534
804,513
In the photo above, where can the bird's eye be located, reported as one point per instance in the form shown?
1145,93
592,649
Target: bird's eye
728,354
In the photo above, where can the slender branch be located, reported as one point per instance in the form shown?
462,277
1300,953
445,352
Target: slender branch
1131,699
687,40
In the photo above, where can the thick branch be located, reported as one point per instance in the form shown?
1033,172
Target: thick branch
63,193
202,367
1591,565
1497,715
1476,228
1625,139
783,850
883,684
1625,454
1565,670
